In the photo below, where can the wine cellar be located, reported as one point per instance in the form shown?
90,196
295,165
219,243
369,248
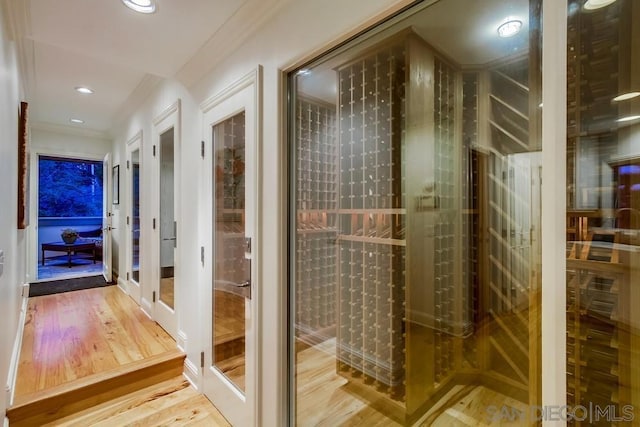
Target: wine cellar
602,224
395,185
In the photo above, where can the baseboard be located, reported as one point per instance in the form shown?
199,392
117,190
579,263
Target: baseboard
181,342
122,284
17,345
191,373
145,304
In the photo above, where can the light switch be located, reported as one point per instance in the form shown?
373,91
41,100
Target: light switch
1,261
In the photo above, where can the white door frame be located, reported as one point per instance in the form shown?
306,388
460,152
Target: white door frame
243,95
166,316
34,189
134,289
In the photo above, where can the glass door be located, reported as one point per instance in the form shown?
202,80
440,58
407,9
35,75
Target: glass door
414,221
230,373
106,219
133,218
166,153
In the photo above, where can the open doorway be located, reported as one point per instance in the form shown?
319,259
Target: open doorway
70,213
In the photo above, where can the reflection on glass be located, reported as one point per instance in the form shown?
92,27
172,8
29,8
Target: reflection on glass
603,210
167,218
231,269
416,242
135,215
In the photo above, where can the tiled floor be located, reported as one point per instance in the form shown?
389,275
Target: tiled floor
57,268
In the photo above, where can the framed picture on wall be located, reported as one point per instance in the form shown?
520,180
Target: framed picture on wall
116,184
23,166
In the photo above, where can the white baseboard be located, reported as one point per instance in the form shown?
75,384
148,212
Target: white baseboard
17,345
122,284
181,342
145,304
191,373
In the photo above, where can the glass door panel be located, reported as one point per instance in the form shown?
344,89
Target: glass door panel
603,212
135,215
415,211
167,218
231,268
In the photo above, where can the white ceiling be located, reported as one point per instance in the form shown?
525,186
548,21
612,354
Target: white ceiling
116,51
111,49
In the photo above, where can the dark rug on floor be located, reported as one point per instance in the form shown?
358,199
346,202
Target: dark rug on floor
58,286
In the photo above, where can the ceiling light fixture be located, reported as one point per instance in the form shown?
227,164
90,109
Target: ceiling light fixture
142,6
84,89
78,121
628,118
626,96
510,28
597,4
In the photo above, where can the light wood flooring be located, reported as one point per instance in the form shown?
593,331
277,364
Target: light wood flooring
92,357
325,398
75,334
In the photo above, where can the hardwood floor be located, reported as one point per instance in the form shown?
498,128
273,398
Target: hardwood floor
171,402
325,398
76,334
92,357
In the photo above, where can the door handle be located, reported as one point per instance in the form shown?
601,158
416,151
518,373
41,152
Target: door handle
169,238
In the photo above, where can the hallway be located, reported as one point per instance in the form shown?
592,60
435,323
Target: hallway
98,354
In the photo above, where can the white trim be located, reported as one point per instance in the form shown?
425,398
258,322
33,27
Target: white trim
146,307
192,373
554,142
182,340
17,346
175,107
134,138
254,76
122,284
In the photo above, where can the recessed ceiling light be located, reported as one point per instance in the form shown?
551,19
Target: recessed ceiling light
78,121
628,118
510,28
626,96
83,89
597,4
142,6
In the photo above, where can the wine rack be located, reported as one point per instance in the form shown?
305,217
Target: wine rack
317,192
370,335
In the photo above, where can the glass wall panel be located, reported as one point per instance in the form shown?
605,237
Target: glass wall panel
415,164
603,210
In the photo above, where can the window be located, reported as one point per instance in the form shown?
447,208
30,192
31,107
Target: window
69,187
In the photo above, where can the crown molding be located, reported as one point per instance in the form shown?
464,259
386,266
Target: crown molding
17,16
70,130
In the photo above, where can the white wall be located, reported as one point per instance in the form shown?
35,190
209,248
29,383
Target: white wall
12,240
300,28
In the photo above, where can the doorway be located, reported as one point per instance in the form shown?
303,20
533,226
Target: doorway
231,297
70,211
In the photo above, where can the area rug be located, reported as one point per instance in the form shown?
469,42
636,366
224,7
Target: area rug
58,286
